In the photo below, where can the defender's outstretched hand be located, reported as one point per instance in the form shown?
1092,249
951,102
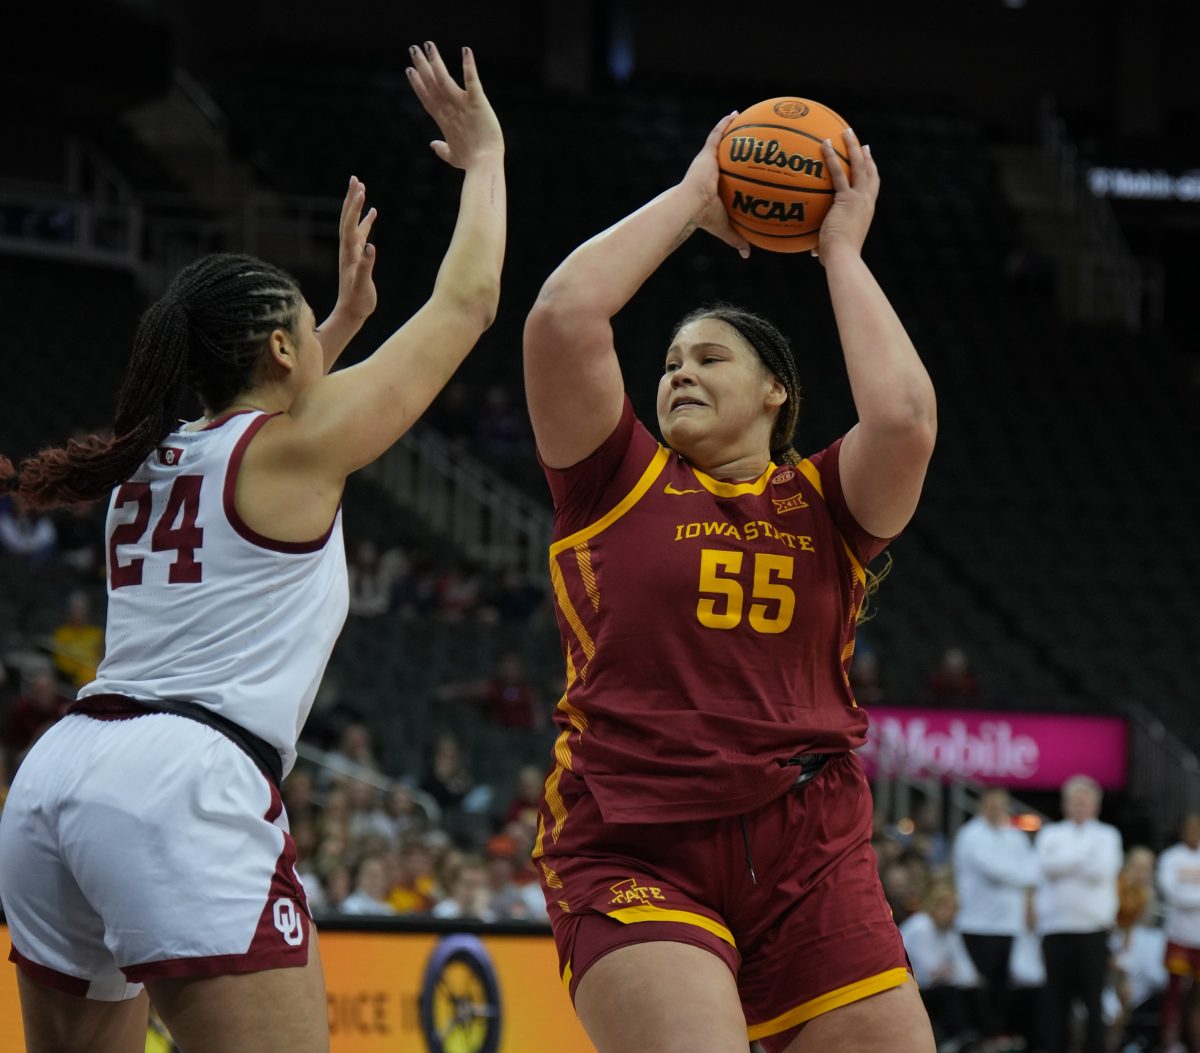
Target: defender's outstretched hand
849,219
468,124
356,255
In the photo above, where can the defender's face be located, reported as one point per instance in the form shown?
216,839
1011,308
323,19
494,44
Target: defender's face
714,390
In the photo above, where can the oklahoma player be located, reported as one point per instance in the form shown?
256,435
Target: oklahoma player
704,833
144,841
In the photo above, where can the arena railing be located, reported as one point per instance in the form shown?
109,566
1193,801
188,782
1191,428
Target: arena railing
487,517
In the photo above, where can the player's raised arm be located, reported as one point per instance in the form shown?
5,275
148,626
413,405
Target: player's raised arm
572,378
356,265
348,419
885,455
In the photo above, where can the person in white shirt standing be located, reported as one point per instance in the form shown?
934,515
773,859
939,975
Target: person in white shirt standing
1079,858
995,871
1179,882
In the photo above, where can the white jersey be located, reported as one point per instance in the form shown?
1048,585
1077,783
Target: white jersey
1179,881
203,609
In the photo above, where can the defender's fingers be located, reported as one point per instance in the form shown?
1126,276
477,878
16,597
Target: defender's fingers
420,88
365,225
470,72
441,74
347,205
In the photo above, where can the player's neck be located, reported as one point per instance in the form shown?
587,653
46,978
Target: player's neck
743,468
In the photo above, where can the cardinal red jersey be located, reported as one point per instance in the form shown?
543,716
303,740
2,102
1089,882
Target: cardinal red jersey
707,628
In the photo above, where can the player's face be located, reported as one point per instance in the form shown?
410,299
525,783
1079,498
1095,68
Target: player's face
715,397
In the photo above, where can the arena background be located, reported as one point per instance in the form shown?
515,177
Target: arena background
1036,230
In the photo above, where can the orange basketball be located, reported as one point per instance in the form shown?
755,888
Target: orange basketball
773,181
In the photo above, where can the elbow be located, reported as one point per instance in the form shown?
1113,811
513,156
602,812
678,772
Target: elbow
479,303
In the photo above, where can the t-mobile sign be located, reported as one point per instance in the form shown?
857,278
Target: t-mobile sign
1036,750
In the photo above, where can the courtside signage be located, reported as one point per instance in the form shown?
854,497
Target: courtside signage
1037,751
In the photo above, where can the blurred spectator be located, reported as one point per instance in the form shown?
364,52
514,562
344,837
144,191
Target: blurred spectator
523,808
470,896
80,529
900,890
941,965
1076,907
414,886
78,643
454,413
508,696
458,592
372,579
304,836
370,890
1179,880
298,794
403,816
511,898
514,597
1137,975
335,880
501,430
865,680
39,705
447,780
927,838
24,534
355,750
995,870
367,817
953,683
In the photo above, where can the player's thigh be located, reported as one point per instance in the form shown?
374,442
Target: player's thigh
272,1011
56,1022
661,996
893,1021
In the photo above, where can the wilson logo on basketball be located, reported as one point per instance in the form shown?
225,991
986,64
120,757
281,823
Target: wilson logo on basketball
762,208
791,108
749,148
786,476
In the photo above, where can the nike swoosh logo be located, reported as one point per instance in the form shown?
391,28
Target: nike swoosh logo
669,489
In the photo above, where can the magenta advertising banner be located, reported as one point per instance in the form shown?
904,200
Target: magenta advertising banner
1038,751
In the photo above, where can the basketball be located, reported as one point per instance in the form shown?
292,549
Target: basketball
773,181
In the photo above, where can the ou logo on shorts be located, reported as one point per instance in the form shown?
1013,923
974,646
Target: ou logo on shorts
287,921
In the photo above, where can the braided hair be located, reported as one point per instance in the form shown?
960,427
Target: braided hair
207,333
775,351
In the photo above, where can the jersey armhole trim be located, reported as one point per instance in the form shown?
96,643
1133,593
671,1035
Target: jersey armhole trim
653,470
229,496
809,471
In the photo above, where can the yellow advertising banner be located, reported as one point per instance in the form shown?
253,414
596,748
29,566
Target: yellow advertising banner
421,992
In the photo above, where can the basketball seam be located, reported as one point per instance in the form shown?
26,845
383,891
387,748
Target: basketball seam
764,234
776,186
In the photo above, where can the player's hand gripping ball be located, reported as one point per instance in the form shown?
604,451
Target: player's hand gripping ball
773,182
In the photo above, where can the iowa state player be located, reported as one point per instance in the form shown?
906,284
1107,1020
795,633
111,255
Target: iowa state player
704,836
144,841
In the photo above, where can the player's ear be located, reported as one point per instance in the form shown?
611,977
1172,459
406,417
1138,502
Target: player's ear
281,349
777,394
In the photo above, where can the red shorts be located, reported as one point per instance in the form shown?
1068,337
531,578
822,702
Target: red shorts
812,933
1182,961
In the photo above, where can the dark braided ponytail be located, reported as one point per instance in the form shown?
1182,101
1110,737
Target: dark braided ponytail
208,332
775,350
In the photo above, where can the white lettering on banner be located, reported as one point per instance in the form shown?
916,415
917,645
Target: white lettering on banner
1143,184
287,921
992,750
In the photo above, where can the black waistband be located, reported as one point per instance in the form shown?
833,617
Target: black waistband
265,756
810,765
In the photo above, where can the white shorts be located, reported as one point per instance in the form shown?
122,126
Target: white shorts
144,847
